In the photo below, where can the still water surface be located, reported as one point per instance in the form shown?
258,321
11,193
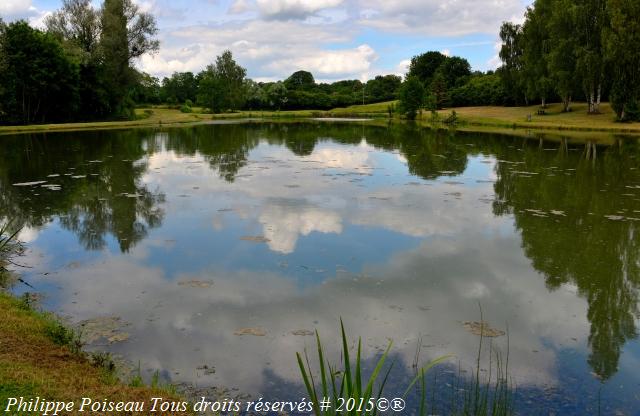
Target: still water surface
210,253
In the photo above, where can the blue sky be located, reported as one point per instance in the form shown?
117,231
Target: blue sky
334,39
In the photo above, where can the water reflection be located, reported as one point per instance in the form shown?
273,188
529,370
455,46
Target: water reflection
90,184
286,227
579,225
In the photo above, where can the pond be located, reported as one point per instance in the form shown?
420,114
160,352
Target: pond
211,253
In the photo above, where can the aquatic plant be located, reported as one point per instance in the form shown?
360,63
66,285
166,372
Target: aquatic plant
9,245
340,385
491,395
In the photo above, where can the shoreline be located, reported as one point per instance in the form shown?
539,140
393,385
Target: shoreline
39,357
480,119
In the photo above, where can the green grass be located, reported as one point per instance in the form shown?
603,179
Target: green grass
490,395
346,387
470,118
37,359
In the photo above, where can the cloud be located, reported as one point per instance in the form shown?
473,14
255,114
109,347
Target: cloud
260,46
239,7
282,224
439,17
11,10
293,9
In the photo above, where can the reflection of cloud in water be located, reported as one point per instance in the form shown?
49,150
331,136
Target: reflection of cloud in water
427,291
283,224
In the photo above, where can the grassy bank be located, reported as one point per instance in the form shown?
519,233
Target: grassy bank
470,118
38,358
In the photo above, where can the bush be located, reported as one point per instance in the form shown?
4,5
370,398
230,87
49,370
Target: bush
186,109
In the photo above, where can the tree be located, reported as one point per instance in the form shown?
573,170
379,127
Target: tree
590,20
300,80
621,38
438,89
424,66
563,44
535,56
114,46
383,88
455,70
126,34
255,94
78,25
222,85
178,88
511,71
411,96
38,82
277,95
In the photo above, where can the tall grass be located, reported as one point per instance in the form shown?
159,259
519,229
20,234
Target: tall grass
9,247
491,395
341,385
9,244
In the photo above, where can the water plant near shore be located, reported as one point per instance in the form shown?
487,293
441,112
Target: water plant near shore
476,396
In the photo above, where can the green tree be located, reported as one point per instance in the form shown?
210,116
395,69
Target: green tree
300,80
126,34
38,82
424,66
411,96
277,95
255,95
77,24
438,89
562,51
622,37
590,20
535,56
383,88
511,72
222,84
455,70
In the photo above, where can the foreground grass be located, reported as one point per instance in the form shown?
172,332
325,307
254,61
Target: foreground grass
470,118
34,363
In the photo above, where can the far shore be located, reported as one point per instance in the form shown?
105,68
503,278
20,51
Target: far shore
481,119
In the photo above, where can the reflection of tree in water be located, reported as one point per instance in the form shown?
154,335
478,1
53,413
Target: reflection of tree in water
106,196
226,147
570,240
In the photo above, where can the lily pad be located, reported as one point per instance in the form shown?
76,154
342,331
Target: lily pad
482,328
257,332
302,332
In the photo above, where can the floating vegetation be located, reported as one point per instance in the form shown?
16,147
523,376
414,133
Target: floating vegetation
256,332
201,284
29,183
255,238
302,332
103,328
482,328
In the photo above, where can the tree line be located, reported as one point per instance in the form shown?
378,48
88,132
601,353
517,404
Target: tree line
575,49
436,81
79,68
223,86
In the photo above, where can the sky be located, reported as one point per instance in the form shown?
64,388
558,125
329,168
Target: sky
333,39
